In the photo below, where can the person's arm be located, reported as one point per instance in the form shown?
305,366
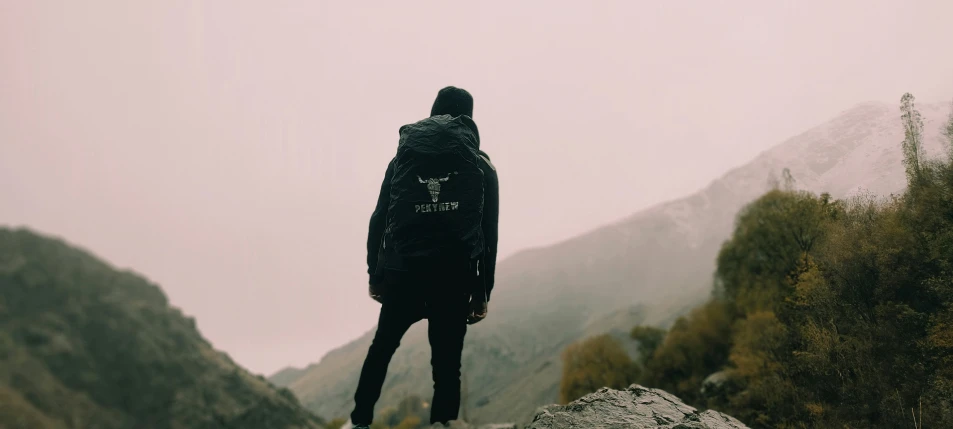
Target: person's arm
378,223
491,216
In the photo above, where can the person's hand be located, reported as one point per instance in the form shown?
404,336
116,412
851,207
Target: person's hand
375,292
478,310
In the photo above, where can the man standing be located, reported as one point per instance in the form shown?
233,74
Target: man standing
431,249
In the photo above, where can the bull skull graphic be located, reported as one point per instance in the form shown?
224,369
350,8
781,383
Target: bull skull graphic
433,185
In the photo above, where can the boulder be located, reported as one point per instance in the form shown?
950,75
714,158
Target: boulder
637,407
462,425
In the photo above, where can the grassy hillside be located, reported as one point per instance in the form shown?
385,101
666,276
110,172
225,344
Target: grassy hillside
84,346
286,376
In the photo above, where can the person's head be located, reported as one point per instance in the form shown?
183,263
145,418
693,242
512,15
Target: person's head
452,101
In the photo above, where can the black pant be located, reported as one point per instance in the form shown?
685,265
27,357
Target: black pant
443,298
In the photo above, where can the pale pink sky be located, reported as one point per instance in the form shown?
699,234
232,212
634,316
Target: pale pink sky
232,151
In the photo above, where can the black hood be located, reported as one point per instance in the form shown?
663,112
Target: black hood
429,127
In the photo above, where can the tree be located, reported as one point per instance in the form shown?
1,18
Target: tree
595,363
948,132
649,338
790,184
785,183
696,346
913,137
759,358
771,234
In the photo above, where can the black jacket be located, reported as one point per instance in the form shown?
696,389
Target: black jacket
491,214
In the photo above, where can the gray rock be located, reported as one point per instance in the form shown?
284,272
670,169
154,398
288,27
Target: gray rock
462,425
634,408
714,383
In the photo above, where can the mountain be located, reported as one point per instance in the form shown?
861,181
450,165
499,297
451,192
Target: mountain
285,376
85,346
658,262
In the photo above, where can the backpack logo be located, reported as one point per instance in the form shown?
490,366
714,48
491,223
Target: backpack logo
433,185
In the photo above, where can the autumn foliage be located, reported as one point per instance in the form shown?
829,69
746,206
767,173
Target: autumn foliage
828,313
593,364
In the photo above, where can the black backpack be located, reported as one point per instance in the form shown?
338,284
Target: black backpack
436,195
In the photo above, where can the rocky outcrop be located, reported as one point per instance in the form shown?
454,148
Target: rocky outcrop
636,407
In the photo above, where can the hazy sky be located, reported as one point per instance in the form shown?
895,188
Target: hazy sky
232,151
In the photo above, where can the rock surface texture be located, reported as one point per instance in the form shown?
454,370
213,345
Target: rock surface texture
634,408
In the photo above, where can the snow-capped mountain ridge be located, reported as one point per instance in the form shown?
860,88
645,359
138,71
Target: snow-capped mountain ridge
856,152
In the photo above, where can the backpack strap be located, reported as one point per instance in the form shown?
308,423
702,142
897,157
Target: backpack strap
487,160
